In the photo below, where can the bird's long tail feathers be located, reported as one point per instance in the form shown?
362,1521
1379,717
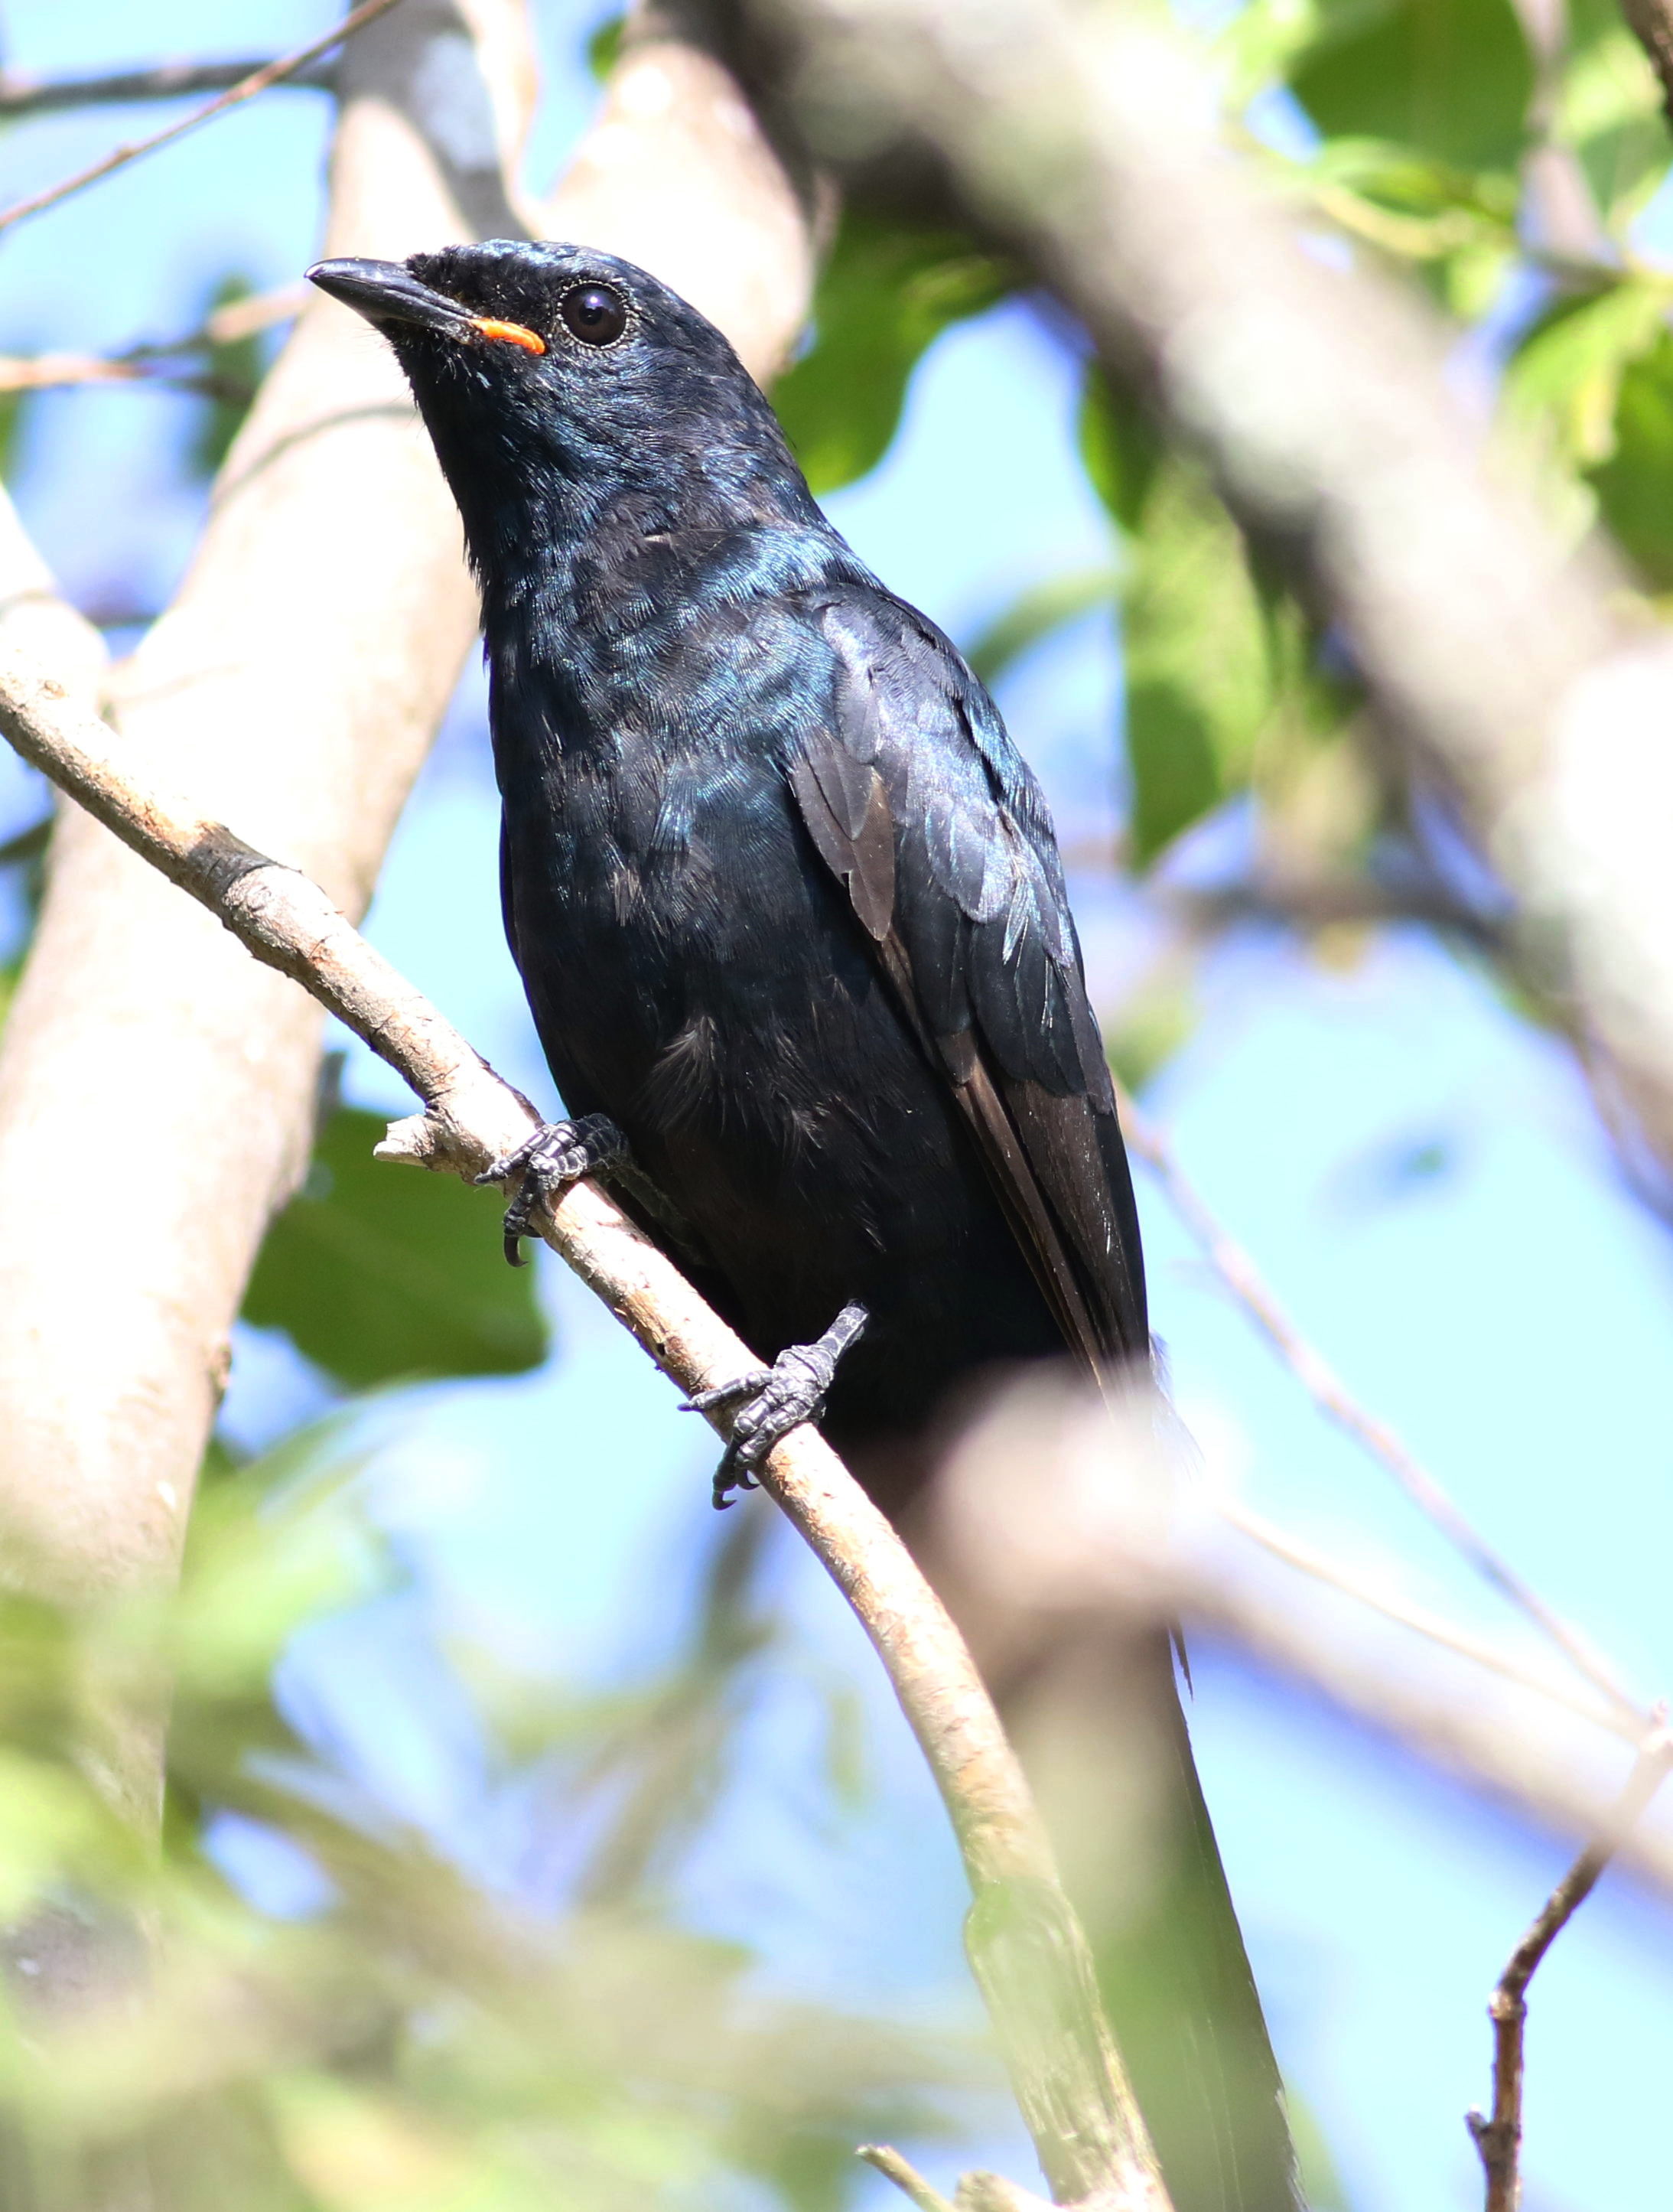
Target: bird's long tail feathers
1142,1866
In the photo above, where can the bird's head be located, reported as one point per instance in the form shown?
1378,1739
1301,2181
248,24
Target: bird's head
562,376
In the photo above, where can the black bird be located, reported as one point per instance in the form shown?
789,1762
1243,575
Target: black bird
791,916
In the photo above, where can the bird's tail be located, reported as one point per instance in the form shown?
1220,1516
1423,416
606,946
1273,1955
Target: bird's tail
1105,1733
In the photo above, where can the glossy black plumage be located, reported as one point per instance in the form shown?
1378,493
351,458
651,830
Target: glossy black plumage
786,901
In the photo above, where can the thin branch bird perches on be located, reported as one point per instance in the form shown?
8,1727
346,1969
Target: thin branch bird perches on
1070,2081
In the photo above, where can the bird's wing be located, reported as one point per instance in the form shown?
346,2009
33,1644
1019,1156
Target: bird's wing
917,800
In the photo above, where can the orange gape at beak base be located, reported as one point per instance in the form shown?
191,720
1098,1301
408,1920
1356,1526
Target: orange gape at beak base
512,333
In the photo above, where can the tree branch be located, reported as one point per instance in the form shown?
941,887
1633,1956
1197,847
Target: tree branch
247,87
1498,2140
1026,1949
905,2176
21,95
1651,22
1434,1627
1053,1522
148,362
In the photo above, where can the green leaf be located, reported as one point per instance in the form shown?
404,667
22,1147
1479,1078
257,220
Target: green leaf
377,1271
1566,380
1451,78
1152,1024
236,369
887,290
1223,665
1035,613
1635,483
1121,450
13,407
274,1543
1609,109
1198,669
603,48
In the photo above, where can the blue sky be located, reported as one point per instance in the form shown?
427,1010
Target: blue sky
1419,1173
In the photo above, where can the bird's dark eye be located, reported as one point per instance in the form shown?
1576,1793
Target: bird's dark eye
593,313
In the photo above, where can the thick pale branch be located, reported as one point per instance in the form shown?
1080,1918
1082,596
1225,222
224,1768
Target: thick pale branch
1067,2076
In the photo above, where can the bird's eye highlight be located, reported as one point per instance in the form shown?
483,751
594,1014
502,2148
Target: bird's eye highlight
594,313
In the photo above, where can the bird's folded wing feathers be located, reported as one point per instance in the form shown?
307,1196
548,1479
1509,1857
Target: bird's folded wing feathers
916,800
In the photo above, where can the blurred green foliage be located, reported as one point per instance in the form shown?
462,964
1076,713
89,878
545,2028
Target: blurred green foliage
402,2041
887,289
233,368
604,47
1448,79
13,407
1223,673
381,1272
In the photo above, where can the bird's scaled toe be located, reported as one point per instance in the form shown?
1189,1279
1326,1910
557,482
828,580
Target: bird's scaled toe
552,1156
777,1400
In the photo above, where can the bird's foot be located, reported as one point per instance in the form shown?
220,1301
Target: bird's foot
558,1152
778,1398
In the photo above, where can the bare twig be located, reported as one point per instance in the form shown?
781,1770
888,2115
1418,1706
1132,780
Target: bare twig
1422,1621
1238,1270
1068,2078
58,371
22,95
155,361
905,2176
258,80
1651,22
1499,2139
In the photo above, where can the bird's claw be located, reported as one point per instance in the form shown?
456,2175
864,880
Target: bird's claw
777,1400
556,1153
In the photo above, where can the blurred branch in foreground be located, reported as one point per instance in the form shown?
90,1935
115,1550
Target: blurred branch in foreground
1421,1620
1109,1528
1511,674
1238,1270
1498,2140
1026,1949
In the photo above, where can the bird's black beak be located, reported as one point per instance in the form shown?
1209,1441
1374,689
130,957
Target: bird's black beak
383,292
